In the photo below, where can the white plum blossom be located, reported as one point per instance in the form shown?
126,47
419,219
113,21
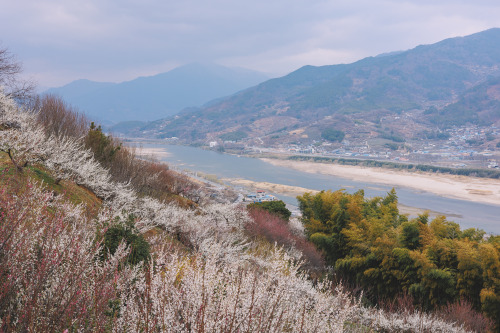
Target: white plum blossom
417,321
205,294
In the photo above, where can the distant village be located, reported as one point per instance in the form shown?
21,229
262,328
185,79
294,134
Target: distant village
458,147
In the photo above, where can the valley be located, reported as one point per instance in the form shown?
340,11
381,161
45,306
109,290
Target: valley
464,147
469,201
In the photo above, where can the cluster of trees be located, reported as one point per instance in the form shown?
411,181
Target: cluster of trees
391,136
276,207
333,135
233,136
148,177
392,146
434,135
368,242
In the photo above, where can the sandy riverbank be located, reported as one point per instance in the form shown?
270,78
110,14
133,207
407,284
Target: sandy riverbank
291,191
460,187
151,152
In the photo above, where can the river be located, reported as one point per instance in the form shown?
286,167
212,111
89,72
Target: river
467,213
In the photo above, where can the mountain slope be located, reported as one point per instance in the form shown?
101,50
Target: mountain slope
158,96
478,105
314,98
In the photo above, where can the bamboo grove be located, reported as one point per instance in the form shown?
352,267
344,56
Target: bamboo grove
369,243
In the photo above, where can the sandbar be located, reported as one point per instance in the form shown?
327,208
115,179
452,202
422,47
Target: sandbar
291,191
484,190
151,152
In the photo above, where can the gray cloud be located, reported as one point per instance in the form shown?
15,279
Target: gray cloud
63,40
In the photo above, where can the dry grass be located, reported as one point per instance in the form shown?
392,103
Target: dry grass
11,178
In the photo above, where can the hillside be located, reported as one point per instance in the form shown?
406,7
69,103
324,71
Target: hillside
300,105
477,105
83,251
158,96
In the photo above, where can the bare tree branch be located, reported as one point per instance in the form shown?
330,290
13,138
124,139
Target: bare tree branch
13,85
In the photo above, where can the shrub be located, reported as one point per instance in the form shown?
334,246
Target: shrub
275,207
103,146
126,232
276,230
270,226
463,313
146,177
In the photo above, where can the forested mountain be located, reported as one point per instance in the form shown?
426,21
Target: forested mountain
158,96
314,98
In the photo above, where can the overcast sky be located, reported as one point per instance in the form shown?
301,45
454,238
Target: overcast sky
118,40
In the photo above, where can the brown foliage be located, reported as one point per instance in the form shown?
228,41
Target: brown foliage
402,303
147,177
60,118
275,229
463,313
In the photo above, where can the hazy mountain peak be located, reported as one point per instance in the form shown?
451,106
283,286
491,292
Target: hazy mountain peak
157,96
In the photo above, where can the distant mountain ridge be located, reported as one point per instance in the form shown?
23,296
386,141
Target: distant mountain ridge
158,96
310,99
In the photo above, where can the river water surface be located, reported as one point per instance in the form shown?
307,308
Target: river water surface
467,213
